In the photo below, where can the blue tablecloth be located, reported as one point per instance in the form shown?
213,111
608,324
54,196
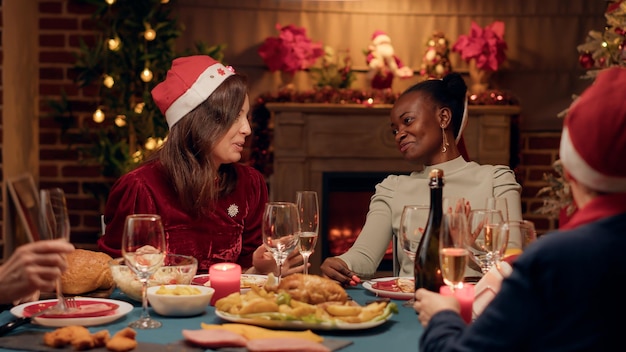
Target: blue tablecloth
401,332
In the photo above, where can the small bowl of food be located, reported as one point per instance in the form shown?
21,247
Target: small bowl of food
176,269
179,300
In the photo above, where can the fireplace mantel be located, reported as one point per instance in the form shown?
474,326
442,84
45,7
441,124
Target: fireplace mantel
311,139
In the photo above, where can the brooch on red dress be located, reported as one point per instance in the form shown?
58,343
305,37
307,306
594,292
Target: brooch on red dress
233,210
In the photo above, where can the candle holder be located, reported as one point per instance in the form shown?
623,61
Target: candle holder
465,296
225,279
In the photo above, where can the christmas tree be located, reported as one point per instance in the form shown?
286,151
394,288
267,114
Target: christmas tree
130,52
600,51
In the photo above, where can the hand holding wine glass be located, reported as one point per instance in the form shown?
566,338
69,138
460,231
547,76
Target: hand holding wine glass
308,209
55,224
280,228
143,249
453,250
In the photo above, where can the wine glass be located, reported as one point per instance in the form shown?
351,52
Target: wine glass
453,252
281,229
412,223
309,224
143,249
497,203
55,224
485,237
519,231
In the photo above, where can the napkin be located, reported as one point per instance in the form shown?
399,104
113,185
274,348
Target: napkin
488,286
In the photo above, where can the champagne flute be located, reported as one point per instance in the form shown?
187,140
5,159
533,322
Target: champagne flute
412,223
55,224
281,229
453,252
485,241
143,249
308,209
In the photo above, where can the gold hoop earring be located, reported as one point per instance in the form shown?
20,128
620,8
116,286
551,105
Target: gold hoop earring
445,144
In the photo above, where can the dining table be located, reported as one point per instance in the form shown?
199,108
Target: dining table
400,332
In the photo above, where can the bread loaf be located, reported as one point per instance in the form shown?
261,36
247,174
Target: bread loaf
312,289
86,271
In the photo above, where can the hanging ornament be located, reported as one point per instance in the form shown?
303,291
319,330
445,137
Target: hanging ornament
98,116
150,33
146,75
586,60
114,43
120,120
139,108
108,81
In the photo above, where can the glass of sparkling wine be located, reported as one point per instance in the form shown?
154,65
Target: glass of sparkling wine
453,252
308,209
281,230
143,249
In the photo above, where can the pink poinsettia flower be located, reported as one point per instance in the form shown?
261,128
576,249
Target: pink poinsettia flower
485,45
291,51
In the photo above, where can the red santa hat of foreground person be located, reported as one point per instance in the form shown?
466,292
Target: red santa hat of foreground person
593,142
188,83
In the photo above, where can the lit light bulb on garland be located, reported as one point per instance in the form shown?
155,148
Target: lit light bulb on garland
98,116
165,1
146,75
151,143
110,2
108,81
150,33
114,43
139,108
120,120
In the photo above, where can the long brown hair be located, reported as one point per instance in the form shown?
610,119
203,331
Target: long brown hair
186,155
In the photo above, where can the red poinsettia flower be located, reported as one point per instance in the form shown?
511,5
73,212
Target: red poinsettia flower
485,45
291,51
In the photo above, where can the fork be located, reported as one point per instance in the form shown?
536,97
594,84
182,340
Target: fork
69,303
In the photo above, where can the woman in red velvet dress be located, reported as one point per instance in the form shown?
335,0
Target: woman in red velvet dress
210,204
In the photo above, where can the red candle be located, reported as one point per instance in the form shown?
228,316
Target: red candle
225,279
465,296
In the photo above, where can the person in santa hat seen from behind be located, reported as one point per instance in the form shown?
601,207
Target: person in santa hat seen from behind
383,63
210,204
564,293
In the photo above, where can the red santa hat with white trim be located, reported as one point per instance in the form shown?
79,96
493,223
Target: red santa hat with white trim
188,83
593,142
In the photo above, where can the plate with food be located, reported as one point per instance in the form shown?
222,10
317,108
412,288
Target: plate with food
247,281
302,302
88,312
392,287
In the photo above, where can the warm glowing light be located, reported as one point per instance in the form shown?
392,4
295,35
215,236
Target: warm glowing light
139,108
149,34
137,156
151,143
370,101
164,1
108,81
98,116
120,120
473,97
146,75
605,44
110,2
114,44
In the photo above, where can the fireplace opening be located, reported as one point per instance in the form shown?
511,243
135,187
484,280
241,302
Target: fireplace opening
345,203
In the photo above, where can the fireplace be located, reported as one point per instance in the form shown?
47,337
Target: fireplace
333,148
346,197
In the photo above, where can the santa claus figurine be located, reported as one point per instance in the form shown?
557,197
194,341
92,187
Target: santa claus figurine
383,64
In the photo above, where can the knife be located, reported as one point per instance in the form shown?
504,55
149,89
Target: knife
10,326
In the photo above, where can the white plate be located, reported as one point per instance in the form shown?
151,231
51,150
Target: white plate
385,293
246,281
123,309
301,325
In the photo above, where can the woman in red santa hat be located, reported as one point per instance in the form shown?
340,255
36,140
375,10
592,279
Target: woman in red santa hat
565,290
210,204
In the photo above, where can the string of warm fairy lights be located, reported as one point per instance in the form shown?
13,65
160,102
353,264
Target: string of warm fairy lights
114,44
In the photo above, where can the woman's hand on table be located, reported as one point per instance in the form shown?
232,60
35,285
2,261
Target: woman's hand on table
428,303
263,263
336,269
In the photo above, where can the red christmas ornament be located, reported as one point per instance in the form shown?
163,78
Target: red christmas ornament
586,61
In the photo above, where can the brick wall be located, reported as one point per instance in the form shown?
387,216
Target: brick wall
62,23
